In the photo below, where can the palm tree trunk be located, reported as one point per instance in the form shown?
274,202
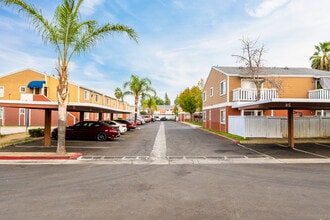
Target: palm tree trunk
63,99
136,108
62,121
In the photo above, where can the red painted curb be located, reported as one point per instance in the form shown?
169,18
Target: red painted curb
36,157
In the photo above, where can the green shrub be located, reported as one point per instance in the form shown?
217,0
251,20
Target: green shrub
37,132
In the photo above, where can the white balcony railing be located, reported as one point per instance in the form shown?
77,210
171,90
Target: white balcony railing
251,94
319,94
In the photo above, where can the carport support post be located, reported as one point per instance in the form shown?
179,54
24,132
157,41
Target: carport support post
48,119
290,128
81,116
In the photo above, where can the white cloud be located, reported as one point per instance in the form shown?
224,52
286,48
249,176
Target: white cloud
88,6
265,8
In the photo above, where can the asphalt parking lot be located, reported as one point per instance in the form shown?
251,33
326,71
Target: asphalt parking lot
182,140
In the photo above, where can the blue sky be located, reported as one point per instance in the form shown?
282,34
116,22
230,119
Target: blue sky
179,40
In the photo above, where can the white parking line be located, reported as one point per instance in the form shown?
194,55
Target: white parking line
159,148
307,152
255,151
323,145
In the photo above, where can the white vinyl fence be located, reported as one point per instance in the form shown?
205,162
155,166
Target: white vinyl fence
277,127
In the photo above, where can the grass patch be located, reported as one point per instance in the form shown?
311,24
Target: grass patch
196,123
15,141
228,135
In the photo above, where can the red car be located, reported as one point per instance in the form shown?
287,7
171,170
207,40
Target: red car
90,130
129,124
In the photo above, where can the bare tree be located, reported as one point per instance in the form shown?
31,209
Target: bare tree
252,57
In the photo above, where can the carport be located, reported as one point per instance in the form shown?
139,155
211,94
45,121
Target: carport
286,104
48,107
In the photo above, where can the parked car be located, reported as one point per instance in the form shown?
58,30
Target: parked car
147,118
130,124
90,130
122,126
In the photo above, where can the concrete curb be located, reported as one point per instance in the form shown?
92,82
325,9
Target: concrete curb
38,156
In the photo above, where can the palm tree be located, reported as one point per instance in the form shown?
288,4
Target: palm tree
119,94
69,36
139,88
150,103
321,57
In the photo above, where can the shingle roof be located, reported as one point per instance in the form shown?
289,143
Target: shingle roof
275,71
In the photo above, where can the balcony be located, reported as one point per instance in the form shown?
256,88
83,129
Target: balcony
248,95
319,94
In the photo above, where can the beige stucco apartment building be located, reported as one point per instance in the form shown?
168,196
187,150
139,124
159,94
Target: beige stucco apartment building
228,88
29,86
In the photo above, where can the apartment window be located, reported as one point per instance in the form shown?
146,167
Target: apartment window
253,113
86,115
1,112
107,101
223,87
2,91
86,95
223,116
204,116
97,98
22,89
204,96
211,91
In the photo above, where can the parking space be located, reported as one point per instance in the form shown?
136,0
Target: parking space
300,151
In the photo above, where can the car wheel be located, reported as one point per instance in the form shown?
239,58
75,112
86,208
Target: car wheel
101,136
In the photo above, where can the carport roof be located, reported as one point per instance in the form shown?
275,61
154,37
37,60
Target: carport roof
72,106
284,103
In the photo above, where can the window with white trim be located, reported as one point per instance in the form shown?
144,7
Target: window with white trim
1,112
223,116
211,91
22,89
204,96
253,113
2,91
97,97
22,111
86,115
223,87
204,116
86,95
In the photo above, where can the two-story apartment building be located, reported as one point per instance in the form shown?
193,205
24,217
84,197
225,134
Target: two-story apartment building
228,88
39,89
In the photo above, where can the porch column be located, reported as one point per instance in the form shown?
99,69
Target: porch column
47,127
290,128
